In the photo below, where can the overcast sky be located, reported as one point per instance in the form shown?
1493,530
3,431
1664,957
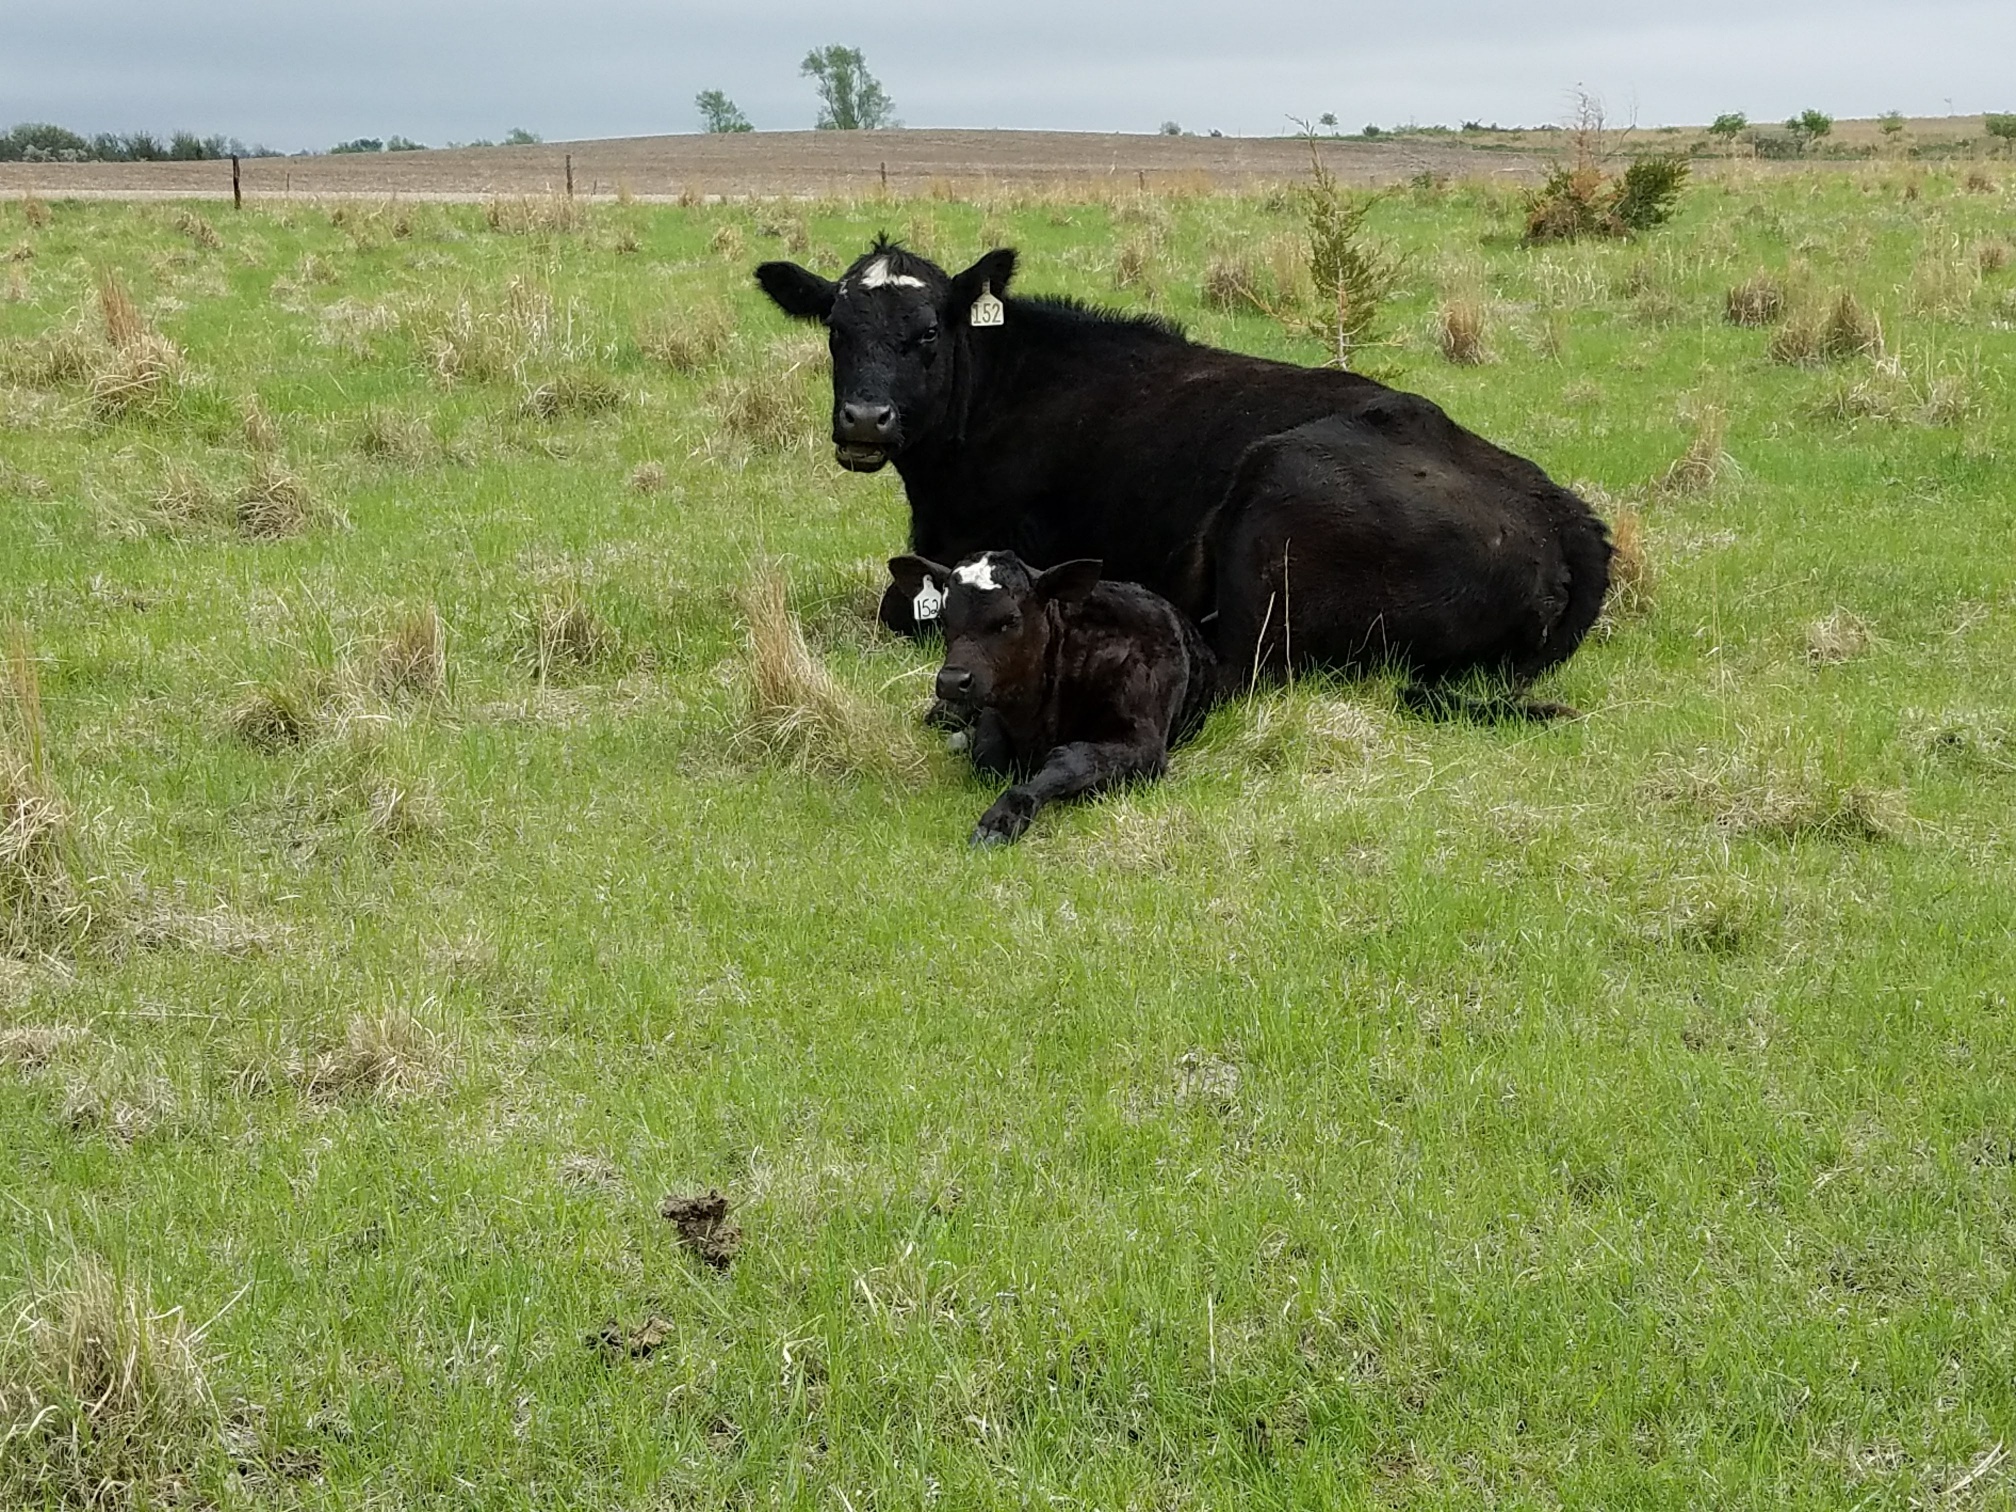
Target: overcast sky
297,75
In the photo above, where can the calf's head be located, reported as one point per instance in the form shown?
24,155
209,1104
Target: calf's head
999,620
897,325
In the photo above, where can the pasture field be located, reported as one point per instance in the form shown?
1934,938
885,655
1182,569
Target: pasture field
404,891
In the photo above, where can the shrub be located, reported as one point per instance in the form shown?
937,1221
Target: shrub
1582,201
2003,128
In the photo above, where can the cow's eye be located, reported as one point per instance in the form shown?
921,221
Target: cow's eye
928,336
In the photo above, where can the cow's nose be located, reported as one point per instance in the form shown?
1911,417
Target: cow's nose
872,423
954,683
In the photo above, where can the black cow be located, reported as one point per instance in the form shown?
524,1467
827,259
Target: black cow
1065,682
1323,518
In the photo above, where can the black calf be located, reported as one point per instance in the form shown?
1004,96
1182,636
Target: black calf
1070,684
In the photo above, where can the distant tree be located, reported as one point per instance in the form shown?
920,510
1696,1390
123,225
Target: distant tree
1809,126
1371,131
1729,125
518,136
145,147
1328,121
360,144
1891,122
718,113
2003,128
404,144
1170,128
850,97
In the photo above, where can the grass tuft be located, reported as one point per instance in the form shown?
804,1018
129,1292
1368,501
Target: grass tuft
1632,579
573,391
763,408
1757,301
1705,461
647,478
278,714
43,907
274,503
562,633
798,713
412,662
1459,331
1838,637
686,342
104,1399
1745,799
390,1055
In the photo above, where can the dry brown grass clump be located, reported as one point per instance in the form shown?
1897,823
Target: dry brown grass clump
1705,461
526,214
1459,331
1237,282
763,407
1980,181
412,662
647,477
388,436
390,1055
140,368
1134,268
1991,257
42,902
1840,636
1744,798
560,633
1757,301
31,1047
573,391
1632,579
104,1401
274,503
198,230
1846,329
686,342
272,716
726,242
261,434
799,714
35,210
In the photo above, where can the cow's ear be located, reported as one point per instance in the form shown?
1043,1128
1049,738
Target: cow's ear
1068,582
910,572
990,275
797,291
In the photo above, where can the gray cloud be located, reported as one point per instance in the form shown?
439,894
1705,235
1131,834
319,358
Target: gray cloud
300,75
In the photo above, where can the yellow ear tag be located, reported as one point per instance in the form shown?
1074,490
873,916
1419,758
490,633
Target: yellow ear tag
987,310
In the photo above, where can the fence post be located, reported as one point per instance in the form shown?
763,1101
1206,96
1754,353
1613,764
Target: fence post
237,195
885,178
570,175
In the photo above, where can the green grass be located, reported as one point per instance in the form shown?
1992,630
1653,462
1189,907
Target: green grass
1375,1113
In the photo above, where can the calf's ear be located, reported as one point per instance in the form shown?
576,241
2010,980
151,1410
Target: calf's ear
910,572
797,291
990,274
1068,582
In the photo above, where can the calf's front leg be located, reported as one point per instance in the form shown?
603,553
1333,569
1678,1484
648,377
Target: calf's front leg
1069,771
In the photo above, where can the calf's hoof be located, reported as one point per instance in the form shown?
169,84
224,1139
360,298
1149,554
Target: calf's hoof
1002,824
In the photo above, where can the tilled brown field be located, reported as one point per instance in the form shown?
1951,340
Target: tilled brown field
783,163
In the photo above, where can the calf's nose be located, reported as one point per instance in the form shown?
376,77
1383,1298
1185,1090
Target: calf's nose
867,422
954,684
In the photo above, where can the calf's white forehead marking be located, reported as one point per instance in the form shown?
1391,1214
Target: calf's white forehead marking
877,275
978,574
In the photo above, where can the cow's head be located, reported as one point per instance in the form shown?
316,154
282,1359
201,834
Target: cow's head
897,325
997,621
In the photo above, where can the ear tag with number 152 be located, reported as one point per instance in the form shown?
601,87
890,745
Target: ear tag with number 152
928,602
987,310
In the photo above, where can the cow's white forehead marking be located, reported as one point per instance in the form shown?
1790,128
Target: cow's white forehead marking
978,574
876,275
